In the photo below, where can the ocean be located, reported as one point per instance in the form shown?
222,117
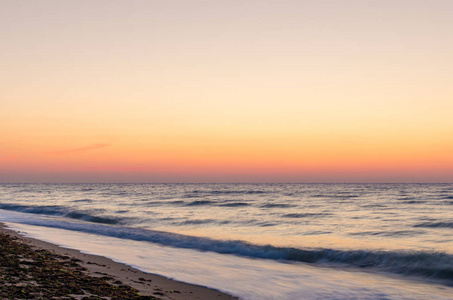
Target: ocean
256,241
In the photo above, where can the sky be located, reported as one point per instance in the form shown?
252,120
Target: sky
226,91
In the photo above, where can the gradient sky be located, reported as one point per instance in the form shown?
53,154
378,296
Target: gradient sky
226,91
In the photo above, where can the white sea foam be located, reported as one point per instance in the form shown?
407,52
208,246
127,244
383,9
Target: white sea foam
250,279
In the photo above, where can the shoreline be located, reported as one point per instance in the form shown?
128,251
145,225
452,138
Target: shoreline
145,283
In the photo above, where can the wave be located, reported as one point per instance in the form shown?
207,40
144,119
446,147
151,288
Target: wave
55,210
433,265
435,225
82,201
388,233
413,202
338,195
234,204
376,205
306,215
319,196
160,203
277,205
255,192
200,202
225,192
198,222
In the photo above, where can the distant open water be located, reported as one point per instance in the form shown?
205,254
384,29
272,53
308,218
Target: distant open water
403,230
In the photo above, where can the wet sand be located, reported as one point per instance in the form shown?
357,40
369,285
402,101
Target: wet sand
23,271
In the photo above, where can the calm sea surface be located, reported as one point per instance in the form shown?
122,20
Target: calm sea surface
257,241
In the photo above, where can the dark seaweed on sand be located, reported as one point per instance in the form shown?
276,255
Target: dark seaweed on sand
27,273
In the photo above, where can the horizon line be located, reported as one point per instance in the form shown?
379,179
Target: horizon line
226,182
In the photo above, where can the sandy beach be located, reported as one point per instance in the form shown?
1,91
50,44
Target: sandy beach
102,271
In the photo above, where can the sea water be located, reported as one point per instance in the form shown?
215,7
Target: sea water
256,241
